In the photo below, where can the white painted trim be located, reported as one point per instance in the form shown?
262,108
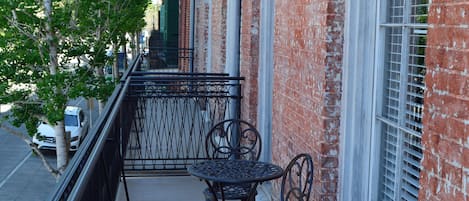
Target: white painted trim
357,101
373,182
232,37
266,71
265,80
379,77
232,44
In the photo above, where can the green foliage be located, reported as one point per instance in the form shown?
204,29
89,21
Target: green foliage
87,85
22,114
82,29
128,17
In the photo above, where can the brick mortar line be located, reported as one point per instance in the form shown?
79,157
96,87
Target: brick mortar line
448,3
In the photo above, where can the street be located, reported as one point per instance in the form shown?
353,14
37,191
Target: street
22,174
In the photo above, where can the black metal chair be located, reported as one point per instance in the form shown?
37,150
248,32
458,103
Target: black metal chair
297,180
232,139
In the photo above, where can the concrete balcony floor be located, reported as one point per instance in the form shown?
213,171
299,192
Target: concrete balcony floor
171,188
162,188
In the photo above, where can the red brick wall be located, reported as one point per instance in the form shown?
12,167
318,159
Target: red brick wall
218,36
445,174
249,58
200,36
184,28
308,40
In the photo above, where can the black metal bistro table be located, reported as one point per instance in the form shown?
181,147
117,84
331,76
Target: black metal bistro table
234,172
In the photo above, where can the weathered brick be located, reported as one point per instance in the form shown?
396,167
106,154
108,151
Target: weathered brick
465,159
452,173
249,57
446,103
311,88
448,150
308,44
218,36
183,39
201,36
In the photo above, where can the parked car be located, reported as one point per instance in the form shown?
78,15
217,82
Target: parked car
75,123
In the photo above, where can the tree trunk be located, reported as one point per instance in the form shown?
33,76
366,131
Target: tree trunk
50,36
61,142
134,47
101,106
124,48
138,42
115,67
63,146
100,72
90,111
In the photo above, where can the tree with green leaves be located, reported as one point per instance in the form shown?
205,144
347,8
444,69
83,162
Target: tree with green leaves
122,11
39,40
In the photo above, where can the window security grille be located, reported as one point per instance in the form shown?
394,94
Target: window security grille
402,105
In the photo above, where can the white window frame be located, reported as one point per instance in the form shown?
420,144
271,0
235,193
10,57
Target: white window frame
266,76
265,87
364,53
356,167
379,120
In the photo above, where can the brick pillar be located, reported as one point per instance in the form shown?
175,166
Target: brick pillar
308,41
445,172
249,58
201,36
218,36
183,39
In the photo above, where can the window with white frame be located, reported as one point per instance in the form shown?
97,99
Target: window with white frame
399,112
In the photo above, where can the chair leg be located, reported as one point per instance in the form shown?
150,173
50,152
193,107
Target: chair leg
209,196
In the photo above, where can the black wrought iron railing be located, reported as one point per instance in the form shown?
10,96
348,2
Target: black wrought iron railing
94,171
153,121
174,112
169,57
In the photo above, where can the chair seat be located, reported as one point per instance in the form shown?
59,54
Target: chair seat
231,192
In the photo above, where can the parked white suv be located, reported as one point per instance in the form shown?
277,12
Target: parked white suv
75,123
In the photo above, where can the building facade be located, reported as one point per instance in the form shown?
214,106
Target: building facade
376,91
185,33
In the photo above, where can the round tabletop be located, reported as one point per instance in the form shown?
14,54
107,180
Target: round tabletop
235,171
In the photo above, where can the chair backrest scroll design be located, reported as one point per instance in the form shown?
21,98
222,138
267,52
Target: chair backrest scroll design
297,180
235,139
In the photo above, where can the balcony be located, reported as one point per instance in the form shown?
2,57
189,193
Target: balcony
152,128
156,188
